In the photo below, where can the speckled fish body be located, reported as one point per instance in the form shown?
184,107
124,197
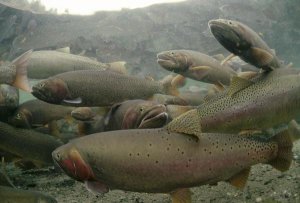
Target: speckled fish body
44,64
158,161
95,88
13,195
35,113
267,101
14,73
9,101
195,65
244,42
33,146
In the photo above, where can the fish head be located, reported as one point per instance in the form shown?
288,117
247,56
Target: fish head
52,90
146,114
21,118
173,60
231,34
69,159
83,114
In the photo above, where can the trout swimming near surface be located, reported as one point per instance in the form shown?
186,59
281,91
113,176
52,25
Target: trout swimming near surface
97,88
160,161
244,42
47,63
195,65
270,99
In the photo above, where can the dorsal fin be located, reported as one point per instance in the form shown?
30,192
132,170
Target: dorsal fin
187,123
238,84
239,180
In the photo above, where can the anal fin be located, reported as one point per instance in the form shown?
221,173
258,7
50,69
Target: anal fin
183,195
239,180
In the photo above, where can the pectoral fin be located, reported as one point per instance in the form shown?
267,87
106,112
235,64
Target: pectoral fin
200,72
183,195
96,187
263,57
238,84
73,101
227,59
239,180
187,123
248,74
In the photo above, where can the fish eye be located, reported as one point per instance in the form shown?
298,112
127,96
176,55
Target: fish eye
18,116
42,85
229,22
141,109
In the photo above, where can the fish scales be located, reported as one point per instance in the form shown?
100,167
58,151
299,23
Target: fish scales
37,113
271,100
32,145
107,88
43,64
155,160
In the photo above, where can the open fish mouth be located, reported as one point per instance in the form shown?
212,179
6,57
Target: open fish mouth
38,93
166,61
154,118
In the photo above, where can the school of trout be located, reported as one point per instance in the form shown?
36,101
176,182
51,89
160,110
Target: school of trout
144,135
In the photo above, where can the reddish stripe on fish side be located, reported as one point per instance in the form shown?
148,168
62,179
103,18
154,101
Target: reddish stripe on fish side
82,169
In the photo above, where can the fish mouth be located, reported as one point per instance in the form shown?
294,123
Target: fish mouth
38,93
166,61
154,118
72,163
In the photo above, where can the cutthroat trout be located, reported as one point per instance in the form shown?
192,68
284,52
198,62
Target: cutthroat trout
28,144
159,161
268,100
136,114
97,88
195,65
44,64
36,113
244,42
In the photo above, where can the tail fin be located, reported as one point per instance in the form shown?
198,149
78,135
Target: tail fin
21,80
170,85
283,160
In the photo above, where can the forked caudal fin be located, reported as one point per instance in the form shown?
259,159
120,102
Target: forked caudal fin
283,160
21,80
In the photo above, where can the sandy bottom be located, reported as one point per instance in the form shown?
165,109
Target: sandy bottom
265,184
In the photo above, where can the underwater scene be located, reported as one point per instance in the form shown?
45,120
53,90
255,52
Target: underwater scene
149,101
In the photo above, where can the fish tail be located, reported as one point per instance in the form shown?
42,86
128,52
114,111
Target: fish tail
283,160
21,80
171,84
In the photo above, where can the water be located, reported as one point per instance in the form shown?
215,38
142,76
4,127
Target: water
137,36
